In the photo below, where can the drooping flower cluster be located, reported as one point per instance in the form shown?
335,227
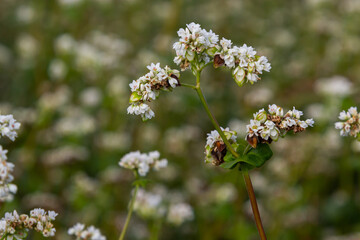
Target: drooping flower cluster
267,127
147,88
8,127
90,233
215,148
350,123
15,226
142,162
151,205
243,61
197,46
194,42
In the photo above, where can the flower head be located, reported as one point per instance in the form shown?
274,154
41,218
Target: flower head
268,126
142,162
194,41
215,148
350,123
8,126
147,88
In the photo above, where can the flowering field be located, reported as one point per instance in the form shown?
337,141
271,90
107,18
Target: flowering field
105,132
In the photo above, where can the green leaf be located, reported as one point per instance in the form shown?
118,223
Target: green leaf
257,157
229,157
230,165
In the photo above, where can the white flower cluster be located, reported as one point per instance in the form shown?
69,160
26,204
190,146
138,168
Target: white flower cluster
142,162
350,124
15,226
267,127
197,47
179,213
215,148
149,205
147,88
8,127
153,206
243,61
90,233
194,42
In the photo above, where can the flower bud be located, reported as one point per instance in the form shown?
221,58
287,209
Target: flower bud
134,97
239,76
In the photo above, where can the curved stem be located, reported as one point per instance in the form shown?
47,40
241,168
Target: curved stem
247,179
214,122
131,208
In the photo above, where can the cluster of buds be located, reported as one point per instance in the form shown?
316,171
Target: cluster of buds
8,127
267,127
215,148
15,226
195,43
245,64
142,162
90,233
147,88
350,124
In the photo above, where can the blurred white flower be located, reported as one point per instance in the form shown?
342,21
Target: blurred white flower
90,233
149,205
178,213
25,14
142,162
65,44
91,97
337,86
57,69
27,46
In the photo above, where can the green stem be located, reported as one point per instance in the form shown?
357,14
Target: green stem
246,175
213,119
155,229
188,85
131,208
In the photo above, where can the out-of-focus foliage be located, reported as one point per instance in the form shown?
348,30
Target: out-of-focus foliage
65,66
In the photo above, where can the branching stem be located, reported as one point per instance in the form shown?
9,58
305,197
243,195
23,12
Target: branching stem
246,175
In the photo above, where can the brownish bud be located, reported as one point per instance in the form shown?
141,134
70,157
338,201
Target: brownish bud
218,61
253,141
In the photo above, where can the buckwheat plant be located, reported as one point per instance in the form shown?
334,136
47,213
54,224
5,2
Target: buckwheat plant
140,164
15,226
90,233
198,48
350,123
8,127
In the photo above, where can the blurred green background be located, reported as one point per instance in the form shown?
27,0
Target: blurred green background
65,66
